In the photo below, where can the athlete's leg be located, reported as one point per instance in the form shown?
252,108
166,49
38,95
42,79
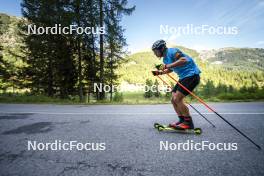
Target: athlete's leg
174,104
181,106
184,110
181,117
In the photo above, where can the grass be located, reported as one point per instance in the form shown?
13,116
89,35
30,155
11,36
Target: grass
127,98
138,98
22,98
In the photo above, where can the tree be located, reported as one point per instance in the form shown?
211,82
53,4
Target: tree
4,21
64,64
112,43
148,93
50,58
156,89
114,38
208,88
9,62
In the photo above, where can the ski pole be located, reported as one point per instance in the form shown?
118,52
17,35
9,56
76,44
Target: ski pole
212,110
202,115
188,103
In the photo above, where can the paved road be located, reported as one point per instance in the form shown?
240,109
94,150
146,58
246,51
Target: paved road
124,141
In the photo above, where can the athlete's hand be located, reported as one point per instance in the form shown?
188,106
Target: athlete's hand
160,66
156,72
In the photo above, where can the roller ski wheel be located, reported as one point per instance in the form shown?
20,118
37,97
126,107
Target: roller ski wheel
197,131
160,127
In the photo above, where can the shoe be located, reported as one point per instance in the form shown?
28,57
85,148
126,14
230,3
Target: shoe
187,124
174,124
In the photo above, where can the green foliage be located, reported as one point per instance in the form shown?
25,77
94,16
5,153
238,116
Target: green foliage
216,80
148,93
64,64
249,59
244,96
156,92
10,54
27,98
138,69
4,23
118,97
51,64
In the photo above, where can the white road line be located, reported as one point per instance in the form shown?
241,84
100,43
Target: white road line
124,113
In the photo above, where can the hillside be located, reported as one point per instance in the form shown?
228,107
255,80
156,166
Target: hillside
236,69
10,52
139,65
236,58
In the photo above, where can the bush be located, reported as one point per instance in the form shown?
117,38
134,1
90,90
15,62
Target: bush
118,97
157,92
148,93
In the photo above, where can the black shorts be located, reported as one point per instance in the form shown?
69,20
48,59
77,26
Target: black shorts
189,82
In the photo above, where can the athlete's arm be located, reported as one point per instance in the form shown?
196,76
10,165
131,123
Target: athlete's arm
166,71
177,63
180,60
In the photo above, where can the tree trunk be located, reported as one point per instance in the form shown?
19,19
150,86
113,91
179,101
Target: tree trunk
50,79
80,77
101,94
80,72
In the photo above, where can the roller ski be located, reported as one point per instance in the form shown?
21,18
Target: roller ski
178,129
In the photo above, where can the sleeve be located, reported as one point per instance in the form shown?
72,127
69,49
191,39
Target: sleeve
180,54
172,53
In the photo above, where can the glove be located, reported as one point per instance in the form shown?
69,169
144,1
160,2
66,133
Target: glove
160,66
156,72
